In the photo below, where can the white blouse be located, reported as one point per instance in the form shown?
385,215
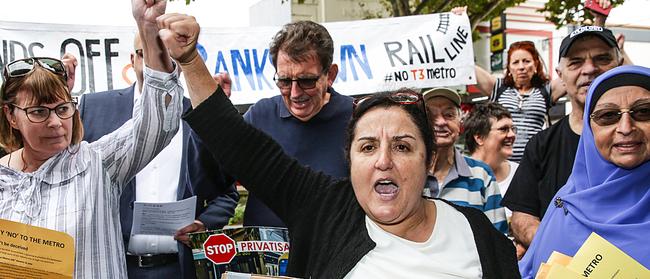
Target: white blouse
78,190
450,252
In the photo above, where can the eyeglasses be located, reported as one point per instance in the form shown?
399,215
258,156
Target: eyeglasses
505,129
25,66
38,114
403,98
606,117
139,53
304,83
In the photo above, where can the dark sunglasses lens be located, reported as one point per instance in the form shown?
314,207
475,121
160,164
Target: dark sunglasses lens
20,67
283,83
307,83
606,117
641,112
53,65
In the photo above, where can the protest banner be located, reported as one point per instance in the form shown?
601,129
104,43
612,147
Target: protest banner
372,55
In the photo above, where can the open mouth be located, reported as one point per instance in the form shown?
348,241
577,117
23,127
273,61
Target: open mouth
386,189
441,133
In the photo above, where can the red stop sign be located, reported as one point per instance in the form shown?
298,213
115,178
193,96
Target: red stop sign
219,248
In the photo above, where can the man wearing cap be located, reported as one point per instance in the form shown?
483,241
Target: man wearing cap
548,158
454,177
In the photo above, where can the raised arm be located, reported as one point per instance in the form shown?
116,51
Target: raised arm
145,13
180,34
557,90
485,81
156,115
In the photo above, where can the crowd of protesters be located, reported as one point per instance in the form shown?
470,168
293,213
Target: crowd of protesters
383,173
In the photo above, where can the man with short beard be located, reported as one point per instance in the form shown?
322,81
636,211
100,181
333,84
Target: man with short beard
548,158
454,177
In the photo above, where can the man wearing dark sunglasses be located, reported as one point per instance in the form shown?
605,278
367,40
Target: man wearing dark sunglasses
183,169
309,117
548,158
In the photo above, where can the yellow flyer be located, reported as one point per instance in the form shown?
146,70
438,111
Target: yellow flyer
598,258
29,252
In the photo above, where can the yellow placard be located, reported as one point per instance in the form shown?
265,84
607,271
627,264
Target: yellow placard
598,258
28,252
559,258
558,271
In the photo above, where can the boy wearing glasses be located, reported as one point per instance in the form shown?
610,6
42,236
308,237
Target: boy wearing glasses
454,177
308,118
548,158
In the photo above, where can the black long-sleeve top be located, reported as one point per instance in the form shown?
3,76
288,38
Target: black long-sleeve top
326,223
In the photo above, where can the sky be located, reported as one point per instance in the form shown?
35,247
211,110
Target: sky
209,13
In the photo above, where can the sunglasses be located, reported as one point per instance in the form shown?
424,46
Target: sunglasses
304,83
402,98
23,67
139,53
606,117
38,114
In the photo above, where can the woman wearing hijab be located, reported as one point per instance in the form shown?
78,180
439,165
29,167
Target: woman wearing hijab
608,191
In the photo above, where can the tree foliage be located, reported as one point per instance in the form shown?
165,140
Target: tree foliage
477,10
566,12
559,12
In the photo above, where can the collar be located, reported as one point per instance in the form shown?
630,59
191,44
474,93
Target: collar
462,168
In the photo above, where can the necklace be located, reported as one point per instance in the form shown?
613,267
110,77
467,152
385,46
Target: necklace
22,157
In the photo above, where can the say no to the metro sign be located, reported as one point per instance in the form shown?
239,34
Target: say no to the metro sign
219,248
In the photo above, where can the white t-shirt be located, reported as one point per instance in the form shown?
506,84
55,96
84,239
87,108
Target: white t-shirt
450,252
503,184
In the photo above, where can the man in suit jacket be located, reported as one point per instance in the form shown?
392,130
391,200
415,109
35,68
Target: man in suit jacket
198,174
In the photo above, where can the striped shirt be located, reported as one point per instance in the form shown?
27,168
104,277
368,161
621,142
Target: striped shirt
528,114
77,191
470,183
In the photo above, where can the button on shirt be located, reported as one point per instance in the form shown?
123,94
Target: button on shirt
77,191
157,182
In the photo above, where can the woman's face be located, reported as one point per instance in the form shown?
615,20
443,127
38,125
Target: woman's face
627,142
500,138
388,165
44,139
522,67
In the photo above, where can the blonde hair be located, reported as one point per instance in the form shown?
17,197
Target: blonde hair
45,88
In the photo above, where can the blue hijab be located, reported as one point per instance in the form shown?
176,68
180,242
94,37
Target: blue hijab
598,196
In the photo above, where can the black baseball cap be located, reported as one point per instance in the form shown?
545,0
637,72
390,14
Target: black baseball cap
603,33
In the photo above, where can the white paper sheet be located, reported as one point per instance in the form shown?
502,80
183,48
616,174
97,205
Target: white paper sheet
163,218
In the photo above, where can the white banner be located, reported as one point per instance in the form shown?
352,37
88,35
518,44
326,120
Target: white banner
372,55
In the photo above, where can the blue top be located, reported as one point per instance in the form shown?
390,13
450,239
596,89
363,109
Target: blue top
471,183
318,143
599,197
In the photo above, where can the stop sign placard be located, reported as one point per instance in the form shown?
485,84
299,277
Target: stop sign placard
219,248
